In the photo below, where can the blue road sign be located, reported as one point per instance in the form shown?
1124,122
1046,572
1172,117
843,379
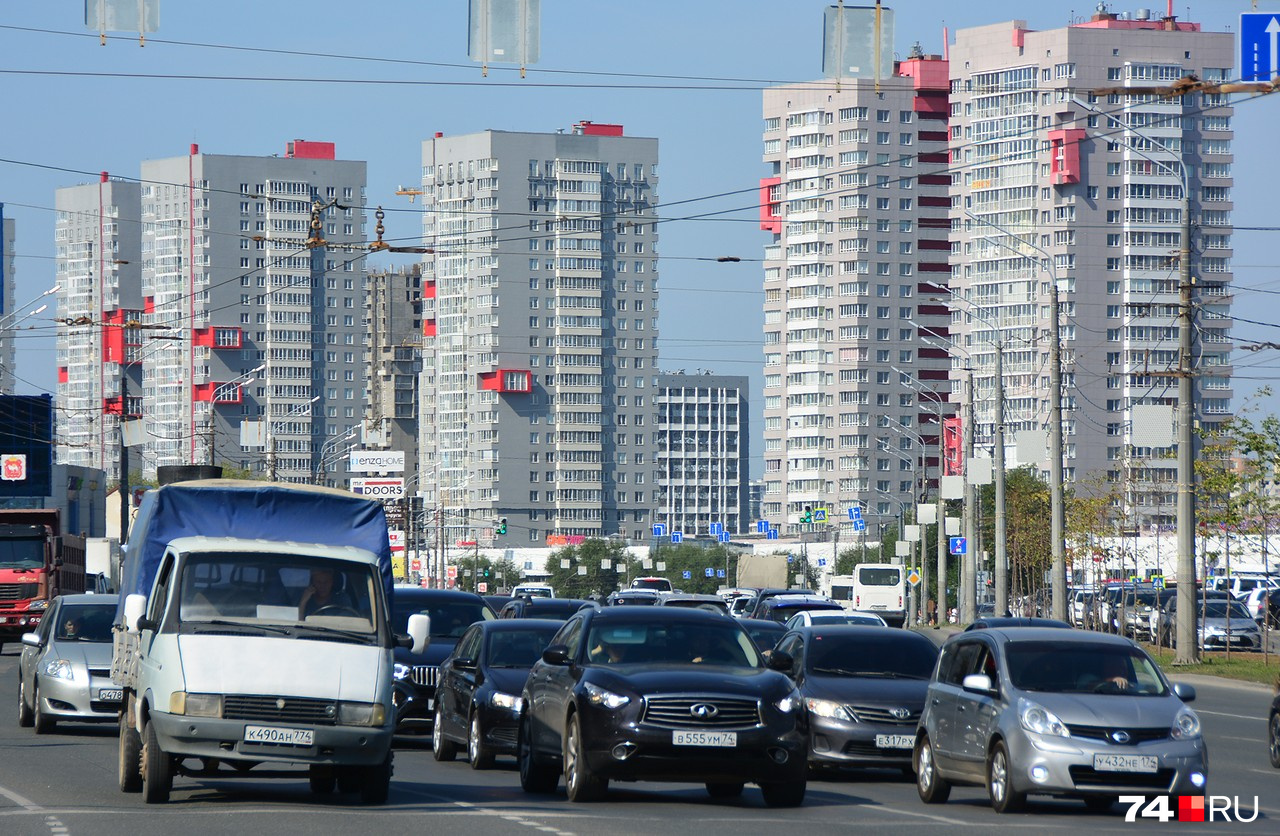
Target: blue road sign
819,514
762,526
859,525
686,574
772,535
677,537
1259,46
719,573
717,529
660,530
791,558
855,513
710,573
1157,581
723,537
959,545
822,561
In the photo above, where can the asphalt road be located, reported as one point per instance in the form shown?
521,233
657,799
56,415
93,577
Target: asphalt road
65,783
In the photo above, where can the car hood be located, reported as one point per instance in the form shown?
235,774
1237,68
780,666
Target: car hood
1110,709
866,690
666,679
434,654
507,680
81,654
1221,623
265,665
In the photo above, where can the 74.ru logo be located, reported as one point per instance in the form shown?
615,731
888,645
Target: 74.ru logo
1190,808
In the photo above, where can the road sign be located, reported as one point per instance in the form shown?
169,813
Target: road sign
723,537
708,572
819,514
717,529
451,572
959,545
660,530
482,587
822,561
1157,581
772,535
762,526
855,513
859,525
1259,46
686,574
719,573
677,537
376,461
913,577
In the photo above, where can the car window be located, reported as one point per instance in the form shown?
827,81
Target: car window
469,646
84,622
958,662
905,656
570,636
518,648
1082,667
449,619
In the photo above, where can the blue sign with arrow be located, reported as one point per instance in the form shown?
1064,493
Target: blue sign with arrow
686,574
660,530
717,529
1259,46
959,545
772,535
723,537
677,537
762,526
710,573
859,525
855,513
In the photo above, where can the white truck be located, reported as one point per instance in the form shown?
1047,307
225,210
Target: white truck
254,629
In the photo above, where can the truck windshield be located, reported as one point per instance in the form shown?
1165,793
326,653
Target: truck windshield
21,553
278,589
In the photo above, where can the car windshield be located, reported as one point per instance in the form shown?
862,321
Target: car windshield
782,612
518,648
532,591
1225,609
638,642
1083,667
21,553
551,609
891,657
449,619
85,623
252,589
765,636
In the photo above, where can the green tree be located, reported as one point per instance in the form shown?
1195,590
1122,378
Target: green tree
696,560
1027,533
591,556
497,573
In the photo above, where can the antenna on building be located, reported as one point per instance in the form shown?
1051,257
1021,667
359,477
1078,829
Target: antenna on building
917,51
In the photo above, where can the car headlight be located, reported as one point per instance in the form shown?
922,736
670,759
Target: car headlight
789,703
58,669
401,671
195,705
1036,718
361,714
38,605
508,701
827,708
1186,726
599,696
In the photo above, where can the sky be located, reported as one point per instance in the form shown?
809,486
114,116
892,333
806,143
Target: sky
688,73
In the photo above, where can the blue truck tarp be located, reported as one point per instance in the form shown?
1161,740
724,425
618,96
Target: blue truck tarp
251,511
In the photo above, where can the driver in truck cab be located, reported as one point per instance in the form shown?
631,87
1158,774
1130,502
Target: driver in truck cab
319,594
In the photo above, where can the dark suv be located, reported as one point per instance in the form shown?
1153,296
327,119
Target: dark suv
451,612
661,694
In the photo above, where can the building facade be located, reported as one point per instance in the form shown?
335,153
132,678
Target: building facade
393,313
1063,175
540,327
857,204
703,453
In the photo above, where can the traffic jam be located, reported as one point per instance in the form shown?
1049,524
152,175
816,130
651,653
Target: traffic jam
231,651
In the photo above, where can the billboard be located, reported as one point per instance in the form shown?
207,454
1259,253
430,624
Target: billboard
26,437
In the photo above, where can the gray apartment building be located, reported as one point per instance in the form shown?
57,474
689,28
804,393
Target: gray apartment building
393,313
540,322
703,453
1061,172
857,204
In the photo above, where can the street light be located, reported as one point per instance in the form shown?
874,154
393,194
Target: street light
322,464
940,540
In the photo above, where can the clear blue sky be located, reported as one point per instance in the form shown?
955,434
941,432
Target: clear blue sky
709,139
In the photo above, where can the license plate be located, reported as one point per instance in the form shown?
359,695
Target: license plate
1126,763
110,694
704,738
895,741
279,736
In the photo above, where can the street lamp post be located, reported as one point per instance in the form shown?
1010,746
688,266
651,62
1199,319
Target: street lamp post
271,442
940,537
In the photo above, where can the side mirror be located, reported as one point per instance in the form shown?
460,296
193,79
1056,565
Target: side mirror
779,661
134,606
556,654
30,639
419,632
1184,692
978,683
464,664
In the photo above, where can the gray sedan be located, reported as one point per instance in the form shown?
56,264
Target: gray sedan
64,671
1025,710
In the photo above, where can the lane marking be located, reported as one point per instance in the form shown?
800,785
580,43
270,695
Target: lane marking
506,815
1236,716
25,803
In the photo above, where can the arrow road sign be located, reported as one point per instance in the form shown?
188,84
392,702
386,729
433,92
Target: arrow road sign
855,513
677,536
723,537
717,529
710,573
772,535
1259,46
660,530
959,545
762,526
686,574
859,525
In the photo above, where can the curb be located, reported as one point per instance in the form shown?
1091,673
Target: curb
1220,681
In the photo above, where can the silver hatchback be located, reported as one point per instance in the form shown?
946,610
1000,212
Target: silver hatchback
1027,710
65,669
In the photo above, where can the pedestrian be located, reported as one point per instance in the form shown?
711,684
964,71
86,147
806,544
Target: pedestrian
933,611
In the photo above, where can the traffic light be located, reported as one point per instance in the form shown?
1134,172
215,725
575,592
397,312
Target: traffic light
807,516
486,571
502,526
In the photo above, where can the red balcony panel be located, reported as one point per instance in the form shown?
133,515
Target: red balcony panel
215,392
429,328
933,244
953,446
218,337
518,381
934,136
63,377
939,157
932,116
934,310
429,289
935,180
933,374
928,353
938,201
596,129
929,102
930,288
770,207
148,304
113,406
934,223
928,72
303,150
1064,159
933,267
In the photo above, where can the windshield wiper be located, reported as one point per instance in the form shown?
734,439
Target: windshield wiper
270,628
352,634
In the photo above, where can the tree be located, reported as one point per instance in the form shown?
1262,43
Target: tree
1027,533
696,560
591,556
498,573
884,552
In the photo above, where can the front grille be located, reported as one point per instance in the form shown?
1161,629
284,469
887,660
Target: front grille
425,675
677,712
1087,776
1104,733
18,591
884,716
279,709
105,673
504,735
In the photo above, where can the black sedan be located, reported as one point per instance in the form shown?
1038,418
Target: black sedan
864,690
661,694
556,608
1273,732
478,697
764,633
451,612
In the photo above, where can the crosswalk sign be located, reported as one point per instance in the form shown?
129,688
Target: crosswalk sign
819,514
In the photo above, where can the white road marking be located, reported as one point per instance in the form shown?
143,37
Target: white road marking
506,815
25,803
1236,716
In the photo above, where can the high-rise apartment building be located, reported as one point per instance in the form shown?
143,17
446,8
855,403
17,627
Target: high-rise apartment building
393,313
703,453
1059,171
8,233
540,353
858,205
98,237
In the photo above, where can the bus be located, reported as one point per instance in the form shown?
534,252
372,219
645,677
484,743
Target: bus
880,588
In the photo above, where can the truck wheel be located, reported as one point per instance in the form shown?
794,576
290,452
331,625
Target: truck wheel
321,778
26,718
129,768
157,768
43,722
375,782
349,778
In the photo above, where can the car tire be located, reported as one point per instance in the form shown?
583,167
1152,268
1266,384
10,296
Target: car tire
129,761
783,793
932,787
999,774
349,778
442,748
43,722
26,717
727,789
536,776
322,778
479,755
375,782
1273,740
1099,803
580,783
157,768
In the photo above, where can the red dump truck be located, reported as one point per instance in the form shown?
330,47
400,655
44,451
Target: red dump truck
37,563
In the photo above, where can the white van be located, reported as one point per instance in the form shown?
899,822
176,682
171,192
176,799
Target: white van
1242,583
533,590
881,588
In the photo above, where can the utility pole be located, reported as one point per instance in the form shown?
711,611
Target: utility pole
1001,567
1188,647
209,429
124,457
969,560
1057,510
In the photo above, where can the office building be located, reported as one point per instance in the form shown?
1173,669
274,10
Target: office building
540,326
